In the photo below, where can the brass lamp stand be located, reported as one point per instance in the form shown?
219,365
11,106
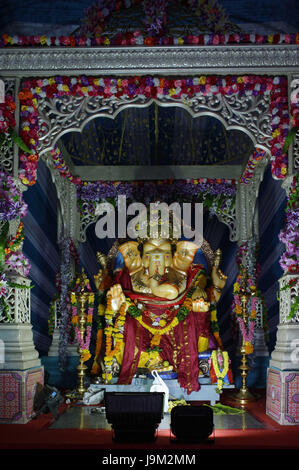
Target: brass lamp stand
243,396
81,297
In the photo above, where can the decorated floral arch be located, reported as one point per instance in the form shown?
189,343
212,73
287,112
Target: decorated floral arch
62,97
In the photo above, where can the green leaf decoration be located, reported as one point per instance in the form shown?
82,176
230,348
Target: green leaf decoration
219,409
3,239
289,138
19,142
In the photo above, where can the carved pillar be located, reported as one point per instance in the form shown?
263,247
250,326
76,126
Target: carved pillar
283,373
20,367
247,231
67,228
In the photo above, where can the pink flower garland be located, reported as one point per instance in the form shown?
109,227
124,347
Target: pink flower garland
84,344
248,336
137,38
62,166
253,160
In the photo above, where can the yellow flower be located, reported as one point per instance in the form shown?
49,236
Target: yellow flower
284,171
51,81
162,323
181,41
101,309
236,287
248,347
96,81
84,89
270,38
240,80
276,133
238,309
65,87
73,299
85,355
202,80
171,91
43,40
37,89
107,42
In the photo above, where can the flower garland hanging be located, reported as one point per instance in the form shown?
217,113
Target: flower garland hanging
73,286
289,235
15,243
114,334
216,195
137,38
162,327
61,166
220,372
7,128
150,87
253,161
249,272
7,117
12,204
247,330
65,279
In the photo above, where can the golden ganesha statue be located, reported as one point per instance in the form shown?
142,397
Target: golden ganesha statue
160,311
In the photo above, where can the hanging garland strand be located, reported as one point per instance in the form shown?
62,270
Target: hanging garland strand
65,276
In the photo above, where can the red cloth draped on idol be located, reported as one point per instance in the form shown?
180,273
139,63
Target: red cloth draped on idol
161,310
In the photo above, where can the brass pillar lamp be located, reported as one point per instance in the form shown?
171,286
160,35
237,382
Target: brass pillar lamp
81,297
243,396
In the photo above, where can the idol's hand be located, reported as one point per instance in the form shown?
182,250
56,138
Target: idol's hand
200,305
199,293
115,297
218,278
98,278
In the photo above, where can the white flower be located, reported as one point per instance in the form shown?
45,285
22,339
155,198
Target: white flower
276,120
3,286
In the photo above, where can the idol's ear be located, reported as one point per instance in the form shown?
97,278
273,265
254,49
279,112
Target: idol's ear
131,255
184,255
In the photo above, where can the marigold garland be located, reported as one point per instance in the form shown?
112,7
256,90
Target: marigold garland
14,244
220,374
83,343
160,330
113,335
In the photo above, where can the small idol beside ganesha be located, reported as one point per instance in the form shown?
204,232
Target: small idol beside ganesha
161,310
